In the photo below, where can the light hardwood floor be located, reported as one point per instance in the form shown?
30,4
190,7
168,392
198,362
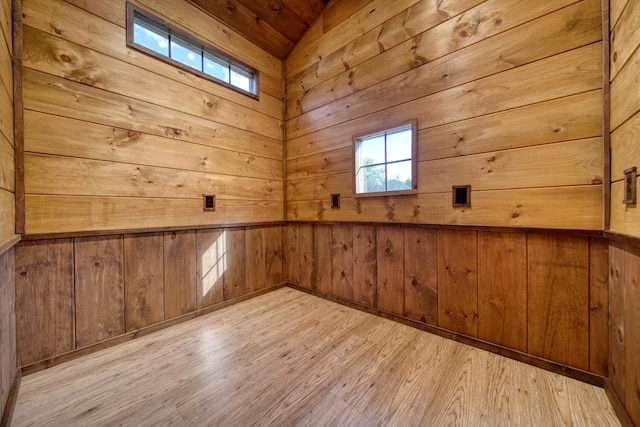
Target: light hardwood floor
287,358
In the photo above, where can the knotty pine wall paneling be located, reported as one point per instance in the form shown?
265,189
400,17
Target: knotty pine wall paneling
390,277
322,257
558,287
179,273
144,280
624,258
624,332
625,111
118,140
491,84
45,308
8,238
502,289
8,357
365,271
211,265
342,261
7,145
458,281
99,288
79,292
421,274
537,293
235,277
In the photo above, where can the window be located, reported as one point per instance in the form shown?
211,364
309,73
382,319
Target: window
153,36
385,161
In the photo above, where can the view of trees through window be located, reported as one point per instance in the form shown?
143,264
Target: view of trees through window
384,160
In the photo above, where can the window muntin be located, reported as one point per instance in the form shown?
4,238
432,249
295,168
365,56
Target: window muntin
385,161
153,36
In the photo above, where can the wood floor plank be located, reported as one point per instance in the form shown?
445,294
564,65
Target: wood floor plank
250,364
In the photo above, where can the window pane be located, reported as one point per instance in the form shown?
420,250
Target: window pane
399,145
370,179
150,38
240,79
370,151
216,68
186,53
399,176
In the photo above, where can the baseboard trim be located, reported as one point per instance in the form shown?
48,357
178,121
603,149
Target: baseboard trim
618,406
10,405
74,354
529,359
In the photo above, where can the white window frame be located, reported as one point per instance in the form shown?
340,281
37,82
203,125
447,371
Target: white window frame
358,162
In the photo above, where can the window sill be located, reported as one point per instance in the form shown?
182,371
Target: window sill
399,193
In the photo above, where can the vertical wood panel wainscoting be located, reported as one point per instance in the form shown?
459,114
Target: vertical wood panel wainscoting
541,298
77,295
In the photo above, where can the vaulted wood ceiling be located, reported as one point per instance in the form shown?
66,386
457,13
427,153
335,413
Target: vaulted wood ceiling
274,25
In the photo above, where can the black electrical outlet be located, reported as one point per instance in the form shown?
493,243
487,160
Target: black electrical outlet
209,202
335,201
630,186
461,196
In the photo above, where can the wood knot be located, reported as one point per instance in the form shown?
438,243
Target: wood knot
342,273
414,282
65,58
515,215
498,22
388,250
23,273
173,236
57,31
447,312
209,104
615,56
97,264
345,247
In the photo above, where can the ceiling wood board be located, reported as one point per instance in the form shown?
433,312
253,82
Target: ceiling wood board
274,25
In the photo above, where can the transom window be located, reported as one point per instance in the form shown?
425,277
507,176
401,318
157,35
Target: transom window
153,36
385,160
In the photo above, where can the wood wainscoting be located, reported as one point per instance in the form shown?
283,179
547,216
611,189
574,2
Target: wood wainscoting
541,295
78,294
624,333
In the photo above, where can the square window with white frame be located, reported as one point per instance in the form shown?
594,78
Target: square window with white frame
385,160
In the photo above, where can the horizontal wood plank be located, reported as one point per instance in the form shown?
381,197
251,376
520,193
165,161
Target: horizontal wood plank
625,219
550,165
562,119
561,75
556,208
625,37
69,176
430,62
80,137
625,150
60,214
7,166
624,100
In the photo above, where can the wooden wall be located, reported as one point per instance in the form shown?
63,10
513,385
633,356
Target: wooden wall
624,271
76,292
8,363
117,140
545,295
508,100
625,110
7,151
624,326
